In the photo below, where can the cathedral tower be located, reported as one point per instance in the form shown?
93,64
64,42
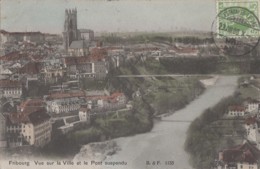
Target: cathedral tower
70,27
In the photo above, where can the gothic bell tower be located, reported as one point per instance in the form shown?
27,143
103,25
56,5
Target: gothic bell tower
70,32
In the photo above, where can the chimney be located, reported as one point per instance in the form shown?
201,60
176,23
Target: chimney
220,156
99,44
18,108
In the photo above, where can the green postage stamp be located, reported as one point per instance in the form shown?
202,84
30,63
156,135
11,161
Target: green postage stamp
236,26
237,18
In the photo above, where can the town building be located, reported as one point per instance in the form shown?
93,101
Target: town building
111,102
52,69
87,34
65,94
29,128
251,105
2,130
14,57
243,156
37,131
64,105
53,73
236,111
79,48
79,67
116,56
96,93
5,71
65,102
101,69
31,105
14,135
11,37
31,69
53,39
252,129
10,89
85,67
84,114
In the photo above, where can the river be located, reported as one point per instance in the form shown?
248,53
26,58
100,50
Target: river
166,140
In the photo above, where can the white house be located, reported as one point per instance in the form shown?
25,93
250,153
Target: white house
236,111
84,114
251,105
64,105
251,129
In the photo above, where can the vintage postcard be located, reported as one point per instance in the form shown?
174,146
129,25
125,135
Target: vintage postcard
129,84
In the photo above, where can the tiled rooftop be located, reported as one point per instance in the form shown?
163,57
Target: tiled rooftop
9,84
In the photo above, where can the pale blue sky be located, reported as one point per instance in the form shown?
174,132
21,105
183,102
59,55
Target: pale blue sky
99,15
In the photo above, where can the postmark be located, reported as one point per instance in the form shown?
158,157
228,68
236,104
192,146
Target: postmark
236,27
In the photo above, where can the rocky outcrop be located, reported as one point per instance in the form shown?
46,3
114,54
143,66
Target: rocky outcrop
97,151
210,81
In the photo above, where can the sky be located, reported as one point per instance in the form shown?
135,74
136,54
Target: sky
109,16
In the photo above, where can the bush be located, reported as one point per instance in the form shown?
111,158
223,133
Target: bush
86,135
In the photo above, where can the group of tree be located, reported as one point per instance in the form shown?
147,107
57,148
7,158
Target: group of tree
195,65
